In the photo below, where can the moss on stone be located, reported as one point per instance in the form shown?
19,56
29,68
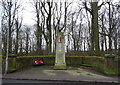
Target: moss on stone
110,72
60,66
110,56
88,65
36,56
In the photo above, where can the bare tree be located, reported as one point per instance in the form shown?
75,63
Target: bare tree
27,33
18,25
10,9
110,18
38,31
95,30
48,35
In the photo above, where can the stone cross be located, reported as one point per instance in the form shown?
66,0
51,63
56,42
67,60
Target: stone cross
60,62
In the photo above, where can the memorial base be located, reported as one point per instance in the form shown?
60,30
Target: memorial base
60,66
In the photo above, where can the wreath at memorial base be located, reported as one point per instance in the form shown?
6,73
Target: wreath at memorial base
38,62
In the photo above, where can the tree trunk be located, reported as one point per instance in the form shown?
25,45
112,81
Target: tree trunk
17,34
49,28
9,27
95,27
105,43
110,44
39,29
102,36
27,43
115,42
21,46
110,29
84,45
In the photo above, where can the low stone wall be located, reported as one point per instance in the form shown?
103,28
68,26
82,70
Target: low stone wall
112,66
74,61
104,65
29,61
96,62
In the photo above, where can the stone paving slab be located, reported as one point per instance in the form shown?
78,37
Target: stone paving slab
71,74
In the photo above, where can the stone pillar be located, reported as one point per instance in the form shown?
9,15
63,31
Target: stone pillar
110,67
60,62
11,63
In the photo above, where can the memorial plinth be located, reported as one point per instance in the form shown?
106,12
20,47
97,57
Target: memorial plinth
60,62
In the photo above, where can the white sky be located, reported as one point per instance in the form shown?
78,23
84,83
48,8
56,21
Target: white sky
29,16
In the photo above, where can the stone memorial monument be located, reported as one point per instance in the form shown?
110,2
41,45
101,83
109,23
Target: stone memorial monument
60,62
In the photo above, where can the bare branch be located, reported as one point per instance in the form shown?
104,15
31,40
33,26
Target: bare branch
43,5
88,9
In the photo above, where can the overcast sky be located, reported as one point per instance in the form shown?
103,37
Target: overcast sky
29,15
28,12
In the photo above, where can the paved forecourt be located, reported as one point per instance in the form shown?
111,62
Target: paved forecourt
71,74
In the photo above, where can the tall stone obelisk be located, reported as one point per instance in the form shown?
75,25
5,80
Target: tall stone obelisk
60,62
